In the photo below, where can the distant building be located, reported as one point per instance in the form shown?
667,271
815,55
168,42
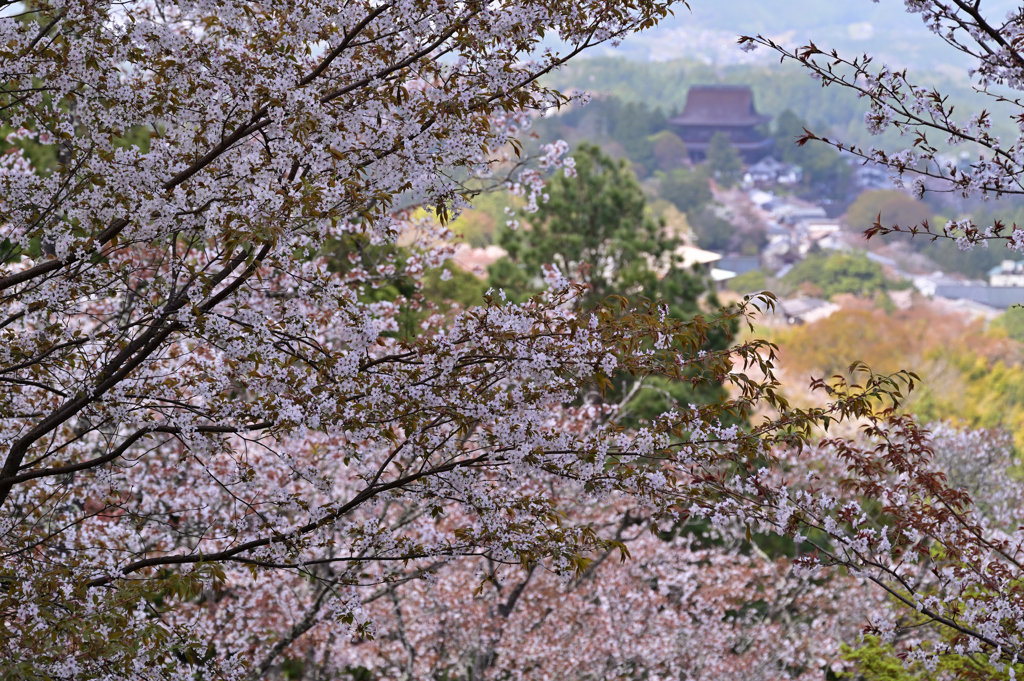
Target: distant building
722,108
691,257
1007,273
872,177
882,260
804,310
929,284
815,229
762,199
998,297
782,250
790,213
768,171
740,264
971,308
940,285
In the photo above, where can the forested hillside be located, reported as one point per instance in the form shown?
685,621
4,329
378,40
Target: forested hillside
833,111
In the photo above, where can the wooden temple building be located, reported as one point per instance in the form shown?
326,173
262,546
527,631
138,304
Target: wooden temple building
722,108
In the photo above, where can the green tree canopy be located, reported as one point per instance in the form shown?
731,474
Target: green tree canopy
749,282
632,127
594,228
712,231
977,262
895,208
1012,322
439,291
836,273
824,170
668,151
687,189
724,162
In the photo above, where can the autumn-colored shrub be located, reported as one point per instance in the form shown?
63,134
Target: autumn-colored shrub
969,375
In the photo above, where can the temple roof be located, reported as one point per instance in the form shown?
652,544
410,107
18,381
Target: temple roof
760,145
720,106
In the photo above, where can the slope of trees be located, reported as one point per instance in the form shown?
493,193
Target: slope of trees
777,88
594,230
225,419
830,274
970,376
966,605
226,454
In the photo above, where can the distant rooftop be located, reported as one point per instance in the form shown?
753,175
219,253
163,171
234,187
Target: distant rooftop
805,310
720,106
1008,267
691,255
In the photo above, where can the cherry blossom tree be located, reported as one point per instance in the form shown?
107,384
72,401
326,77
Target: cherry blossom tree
947,548
218,448
682,606
691,600
950,567
198,399
697,602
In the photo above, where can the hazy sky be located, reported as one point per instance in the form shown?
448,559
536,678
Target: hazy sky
884,29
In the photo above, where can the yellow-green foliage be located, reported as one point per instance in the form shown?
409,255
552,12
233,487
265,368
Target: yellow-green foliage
474,227
991,395
668,149
835,273
748,282
44,156
970,376
1011,323
873,660
463,288
477,225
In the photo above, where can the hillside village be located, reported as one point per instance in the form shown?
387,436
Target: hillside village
767,213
